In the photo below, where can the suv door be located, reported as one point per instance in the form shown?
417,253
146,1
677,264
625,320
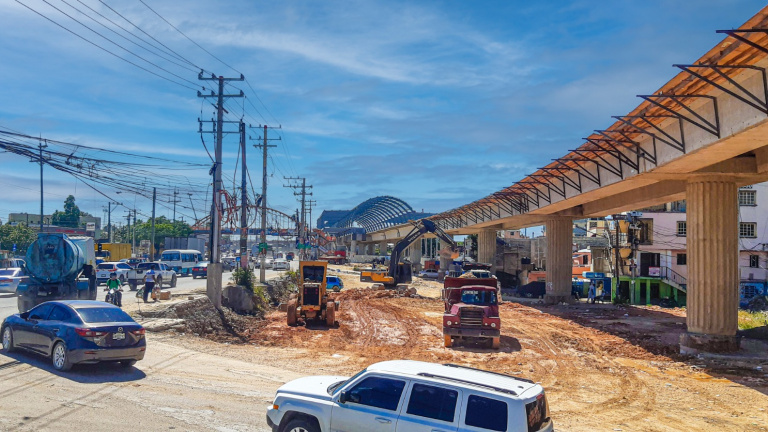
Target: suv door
371,405
430,408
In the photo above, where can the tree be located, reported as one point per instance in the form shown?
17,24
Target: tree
20,235
70,217
163,228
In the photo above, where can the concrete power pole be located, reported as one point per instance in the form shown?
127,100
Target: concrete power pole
303,224
263,238
243,204
310,204
214,268
152,245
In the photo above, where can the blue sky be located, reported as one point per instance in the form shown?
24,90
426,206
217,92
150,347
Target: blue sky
435,102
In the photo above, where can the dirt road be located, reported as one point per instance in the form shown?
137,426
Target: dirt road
604,368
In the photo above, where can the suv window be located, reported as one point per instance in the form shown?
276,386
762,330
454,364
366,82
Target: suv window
41,312
433,402
377,392
486,413
123,266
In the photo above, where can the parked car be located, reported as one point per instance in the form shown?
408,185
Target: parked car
103,271
268,263
428,274
413,396
10,278
200,270
164,274
281,265
76,331
334,283
229,263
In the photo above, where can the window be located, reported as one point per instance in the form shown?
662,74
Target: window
123,266
486,413
585,260
104,315
747,197
59,314
433,402
41,312
682,228
747,229
682,259
754,261
377,392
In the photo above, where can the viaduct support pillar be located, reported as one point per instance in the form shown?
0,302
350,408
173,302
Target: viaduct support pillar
383,248
559,260
416,256
486,248
713,265
353,248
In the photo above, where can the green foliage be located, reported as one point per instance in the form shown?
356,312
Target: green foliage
164,227
244,278
70,217
749,319
20,235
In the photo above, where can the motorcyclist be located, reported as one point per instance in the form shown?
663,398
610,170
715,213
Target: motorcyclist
114,282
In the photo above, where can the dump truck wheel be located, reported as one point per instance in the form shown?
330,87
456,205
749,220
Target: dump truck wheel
448,341
291,313
495,342
330,314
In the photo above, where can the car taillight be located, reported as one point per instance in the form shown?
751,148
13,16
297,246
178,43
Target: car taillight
84,332
138,332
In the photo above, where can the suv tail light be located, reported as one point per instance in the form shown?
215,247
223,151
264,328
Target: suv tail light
84,332
537,413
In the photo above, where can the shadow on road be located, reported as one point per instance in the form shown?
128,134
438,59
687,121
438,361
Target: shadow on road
98,373
508,345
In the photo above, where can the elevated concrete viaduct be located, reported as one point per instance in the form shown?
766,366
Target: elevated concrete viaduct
699,137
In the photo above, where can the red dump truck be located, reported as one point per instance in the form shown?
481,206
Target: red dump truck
471,311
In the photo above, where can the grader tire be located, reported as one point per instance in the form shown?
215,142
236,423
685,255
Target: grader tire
495,342
330,313
448,341
292,313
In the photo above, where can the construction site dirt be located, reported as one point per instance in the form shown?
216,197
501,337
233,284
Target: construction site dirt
604,367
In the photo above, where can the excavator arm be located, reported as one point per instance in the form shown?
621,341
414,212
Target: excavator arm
420,228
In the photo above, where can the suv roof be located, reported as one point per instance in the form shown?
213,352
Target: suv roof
494,382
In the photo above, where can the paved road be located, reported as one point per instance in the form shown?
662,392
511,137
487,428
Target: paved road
175,387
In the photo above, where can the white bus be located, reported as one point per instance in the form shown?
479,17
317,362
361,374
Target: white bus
181,260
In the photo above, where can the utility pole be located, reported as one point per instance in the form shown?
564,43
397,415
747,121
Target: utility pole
189,194
243,204
175,193
152,246
214,268
128,217
263,238
40,159
303,194
310,204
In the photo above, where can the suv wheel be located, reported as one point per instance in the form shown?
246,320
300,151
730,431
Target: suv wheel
300,425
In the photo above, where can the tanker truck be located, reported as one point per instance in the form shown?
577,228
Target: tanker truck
58,268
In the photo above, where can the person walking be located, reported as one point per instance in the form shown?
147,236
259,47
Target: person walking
149,283
592,292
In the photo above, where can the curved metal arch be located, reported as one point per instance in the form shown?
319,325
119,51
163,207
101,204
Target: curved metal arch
377,213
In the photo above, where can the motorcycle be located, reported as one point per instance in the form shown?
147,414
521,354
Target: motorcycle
112,295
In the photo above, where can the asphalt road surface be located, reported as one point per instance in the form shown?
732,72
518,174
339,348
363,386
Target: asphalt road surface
175,387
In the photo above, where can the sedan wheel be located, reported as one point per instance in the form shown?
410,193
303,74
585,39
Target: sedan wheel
7,339
60,357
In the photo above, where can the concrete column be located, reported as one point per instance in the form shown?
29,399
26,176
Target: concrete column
559,260
486,247
416,256
713,265
353,248
383,248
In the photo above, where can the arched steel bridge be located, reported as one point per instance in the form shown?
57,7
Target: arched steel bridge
377,213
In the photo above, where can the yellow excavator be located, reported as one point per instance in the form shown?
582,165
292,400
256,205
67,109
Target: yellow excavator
399,272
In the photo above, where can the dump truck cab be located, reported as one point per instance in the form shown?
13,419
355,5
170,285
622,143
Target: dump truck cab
471,311
312,301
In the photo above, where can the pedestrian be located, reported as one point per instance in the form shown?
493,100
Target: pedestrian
592,292
149,283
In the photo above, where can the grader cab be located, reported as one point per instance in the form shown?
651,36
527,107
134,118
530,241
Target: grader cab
312,301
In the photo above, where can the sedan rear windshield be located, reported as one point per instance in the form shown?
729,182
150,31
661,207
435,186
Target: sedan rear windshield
103,315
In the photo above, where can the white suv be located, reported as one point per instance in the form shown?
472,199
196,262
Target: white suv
411,396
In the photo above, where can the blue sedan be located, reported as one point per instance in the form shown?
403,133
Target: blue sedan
76,331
